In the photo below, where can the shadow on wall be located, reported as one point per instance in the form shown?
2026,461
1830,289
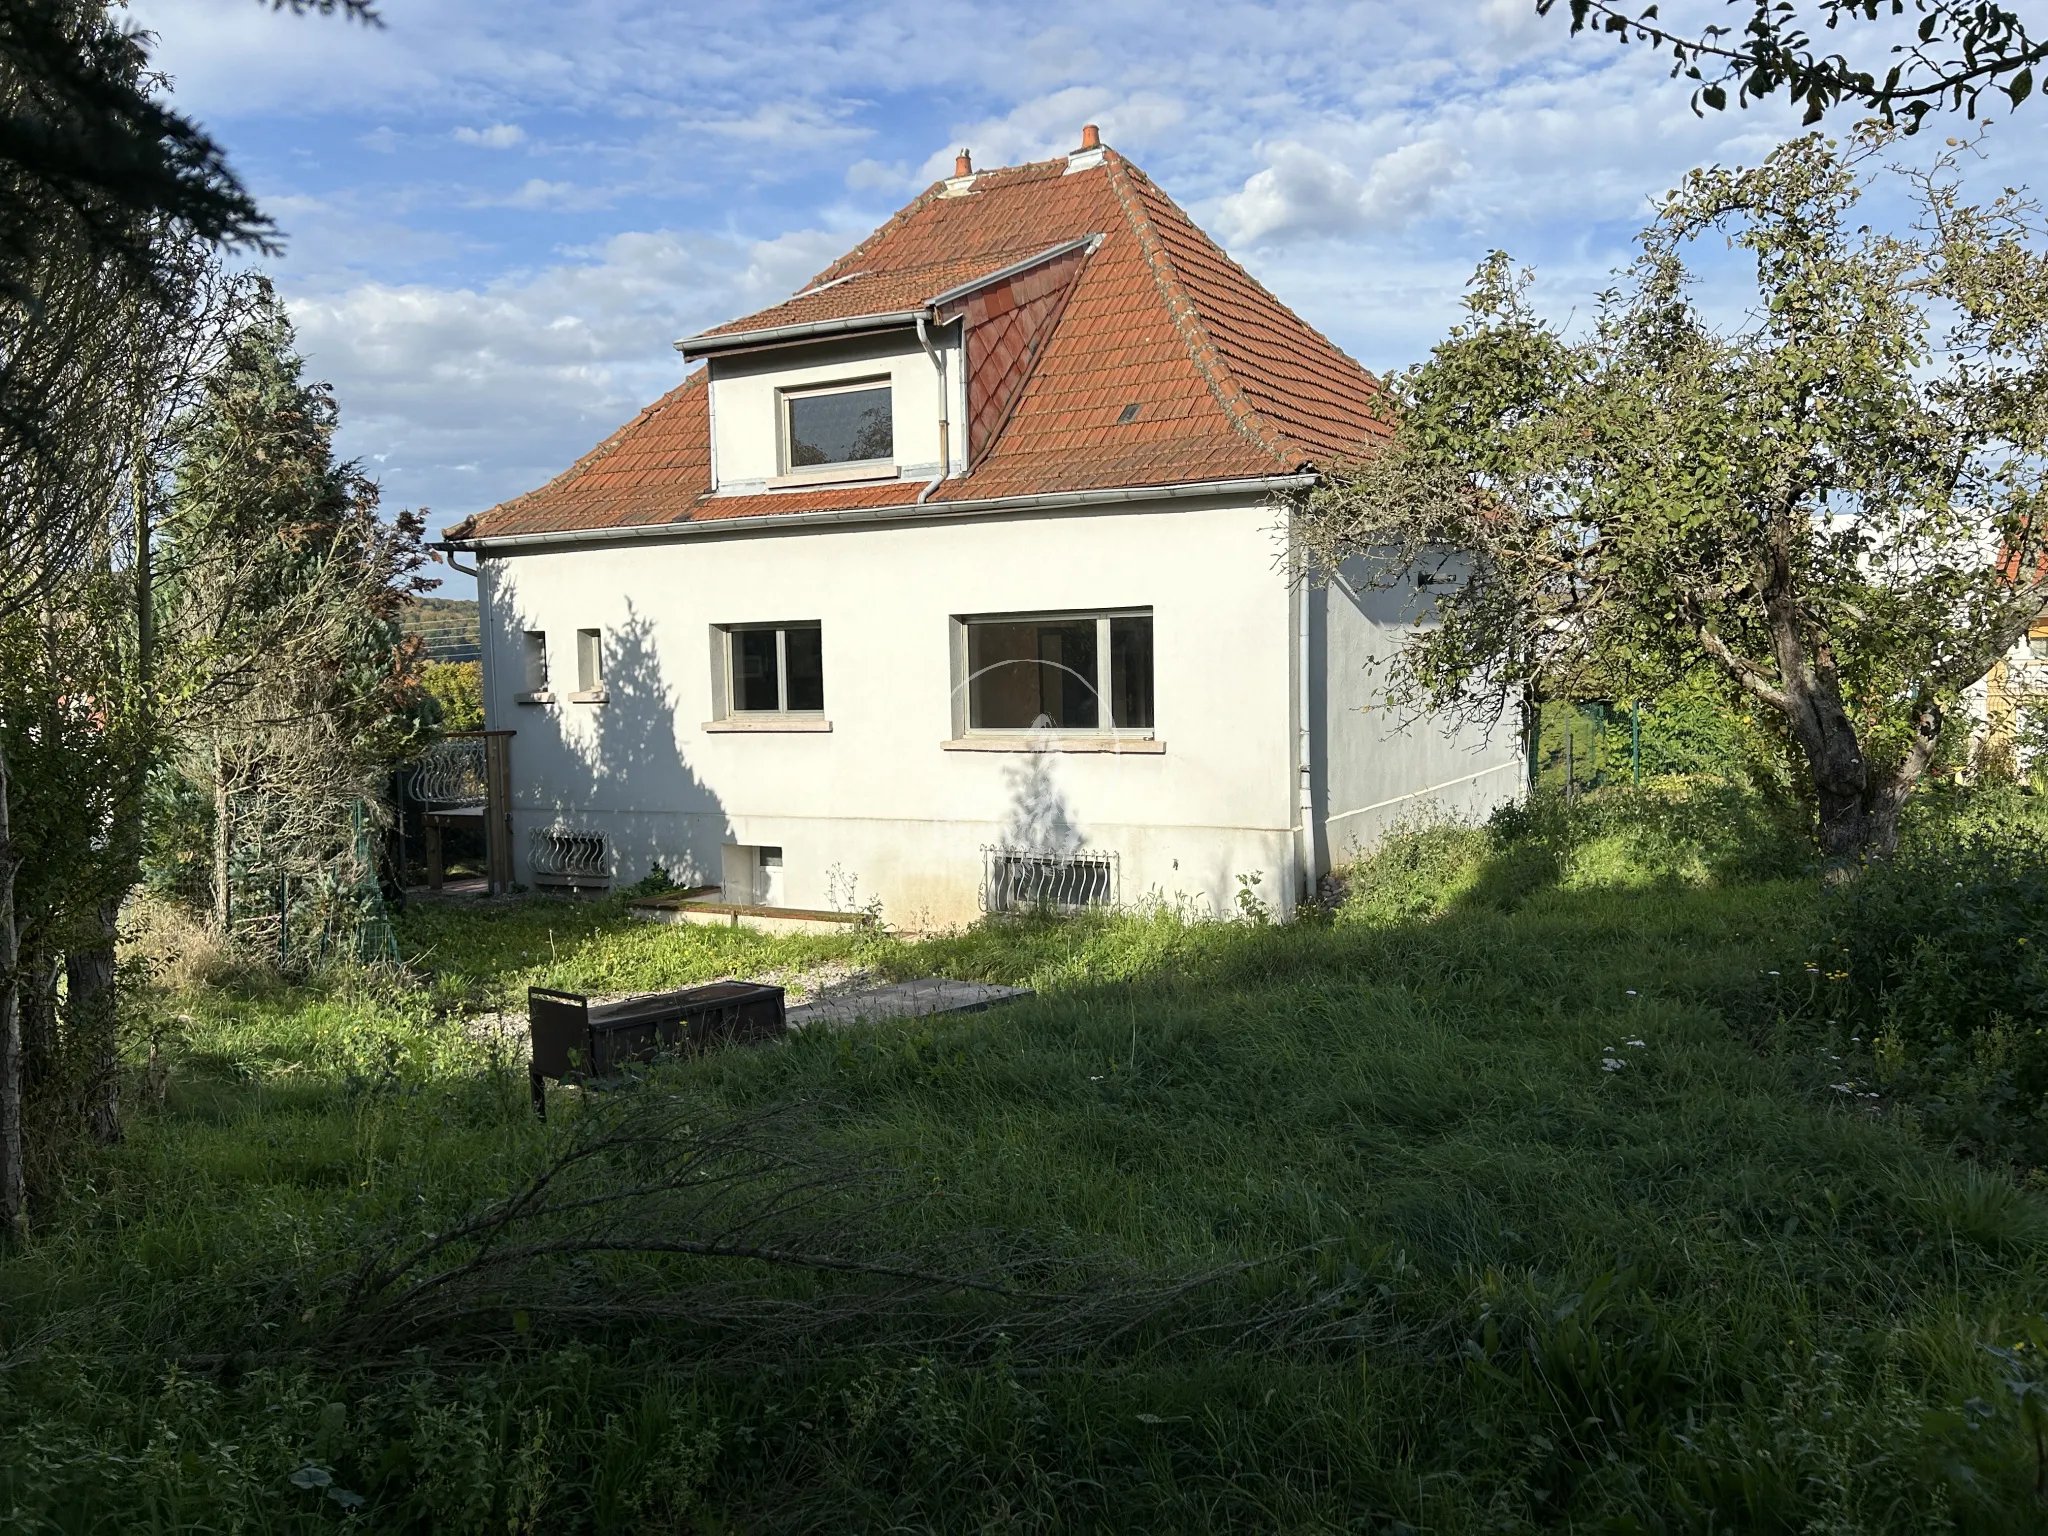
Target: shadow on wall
615,767
1039,819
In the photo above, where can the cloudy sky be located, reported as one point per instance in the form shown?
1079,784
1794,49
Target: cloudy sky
501,215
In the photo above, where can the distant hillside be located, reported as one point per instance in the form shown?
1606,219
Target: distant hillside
447,626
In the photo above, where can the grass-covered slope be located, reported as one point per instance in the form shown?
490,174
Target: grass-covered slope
1526,1191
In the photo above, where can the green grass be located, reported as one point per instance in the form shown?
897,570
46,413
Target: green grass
1704,1290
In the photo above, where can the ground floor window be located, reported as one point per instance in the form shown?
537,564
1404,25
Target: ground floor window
1063,671
774,669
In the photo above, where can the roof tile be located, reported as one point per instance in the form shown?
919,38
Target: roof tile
1229,381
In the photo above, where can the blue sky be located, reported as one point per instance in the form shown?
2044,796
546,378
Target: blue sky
501,215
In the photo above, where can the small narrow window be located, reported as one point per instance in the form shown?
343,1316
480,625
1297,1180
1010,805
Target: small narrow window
2037,647
589,661
536,661
776,669
1081,672
840,424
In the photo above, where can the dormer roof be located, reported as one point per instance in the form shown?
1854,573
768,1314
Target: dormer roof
1085,291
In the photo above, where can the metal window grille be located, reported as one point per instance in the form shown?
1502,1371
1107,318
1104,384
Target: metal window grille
449,774
1014,880
561,856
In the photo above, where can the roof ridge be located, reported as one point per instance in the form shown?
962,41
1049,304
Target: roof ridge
875,234
1187,317
935,190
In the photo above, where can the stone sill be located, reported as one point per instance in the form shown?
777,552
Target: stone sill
537,696
741,725
837,474
1034,741
591,696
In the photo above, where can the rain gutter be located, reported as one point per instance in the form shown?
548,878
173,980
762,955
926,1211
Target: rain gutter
771,522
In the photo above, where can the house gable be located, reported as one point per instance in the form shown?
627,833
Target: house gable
1093,337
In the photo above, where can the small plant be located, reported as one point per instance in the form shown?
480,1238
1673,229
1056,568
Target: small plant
1251,907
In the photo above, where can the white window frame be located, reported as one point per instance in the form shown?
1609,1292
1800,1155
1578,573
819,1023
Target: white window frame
844,469
590,688
533,665
963,651
726,713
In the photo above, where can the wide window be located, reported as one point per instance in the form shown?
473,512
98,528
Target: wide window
775,669
1060,672
842,424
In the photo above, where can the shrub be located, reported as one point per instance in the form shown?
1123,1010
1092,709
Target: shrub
1936,969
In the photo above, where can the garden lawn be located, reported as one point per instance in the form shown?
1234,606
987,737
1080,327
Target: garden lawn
1572,1216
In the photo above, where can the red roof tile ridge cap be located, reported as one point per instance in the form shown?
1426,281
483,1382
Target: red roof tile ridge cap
834,269
1187,317
1240,269
603,450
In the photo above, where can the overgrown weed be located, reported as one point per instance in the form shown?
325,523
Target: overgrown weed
1535,1146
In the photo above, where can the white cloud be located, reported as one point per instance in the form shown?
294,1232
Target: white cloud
465,395
873,175
1050,125
785,125
497,136
535,192
1303,192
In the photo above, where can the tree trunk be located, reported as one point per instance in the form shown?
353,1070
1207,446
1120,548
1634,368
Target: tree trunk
13,1192
221,833
35,1005
93,1019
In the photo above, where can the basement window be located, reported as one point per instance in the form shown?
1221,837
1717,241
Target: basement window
1075,673
774,670
836,426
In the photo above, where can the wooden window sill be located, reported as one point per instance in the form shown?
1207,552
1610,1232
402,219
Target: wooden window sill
741,726
1047,741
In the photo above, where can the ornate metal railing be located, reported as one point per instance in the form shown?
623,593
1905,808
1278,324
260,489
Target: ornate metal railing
449,775
1017,880
560,855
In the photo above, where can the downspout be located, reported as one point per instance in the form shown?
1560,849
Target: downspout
945,411
1305,745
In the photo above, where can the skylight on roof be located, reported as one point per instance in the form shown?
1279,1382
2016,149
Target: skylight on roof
1130,414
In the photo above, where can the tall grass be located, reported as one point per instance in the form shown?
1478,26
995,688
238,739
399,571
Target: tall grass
1515,1193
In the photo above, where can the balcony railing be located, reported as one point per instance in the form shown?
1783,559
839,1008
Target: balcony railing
450,775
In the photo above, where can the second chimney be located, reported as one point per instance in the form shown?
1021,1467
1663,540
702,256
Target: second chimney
1091,137
963,164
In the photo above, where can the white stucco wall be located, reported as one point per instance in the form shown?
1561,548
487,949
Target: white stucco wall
876,808
1378,766
746,423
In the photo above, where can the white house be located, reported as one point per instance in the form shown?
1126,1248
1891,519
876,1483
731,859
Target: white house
958,581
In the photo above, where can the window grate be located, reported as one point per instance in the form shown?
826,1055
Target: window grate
561,856
1015,880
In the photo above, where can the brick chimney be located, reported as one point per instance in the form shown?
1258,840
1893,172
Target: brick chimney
1089,155
963,164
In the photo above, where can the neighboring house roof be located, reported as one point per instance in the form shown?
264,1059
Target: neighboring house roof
1229,383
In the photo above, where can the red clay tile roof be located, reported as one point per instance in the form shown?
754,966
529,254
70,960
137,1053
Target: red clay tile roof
1229,383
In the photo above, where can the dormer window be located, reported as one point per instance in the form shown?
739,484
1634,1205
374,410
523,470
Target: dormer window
837,431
